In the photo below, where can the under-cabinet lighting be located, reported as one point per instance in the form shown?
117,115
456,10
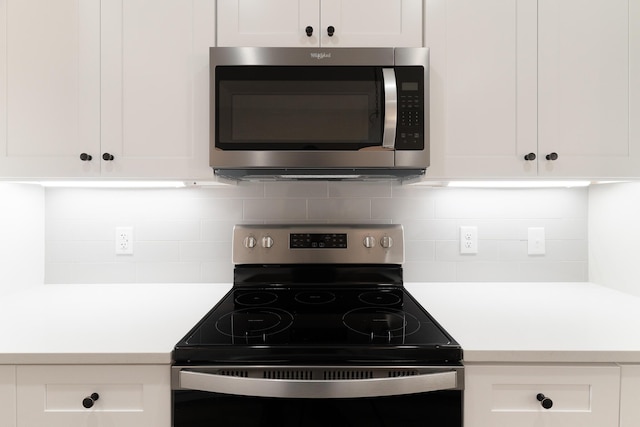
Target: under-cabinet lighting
518,184
113,184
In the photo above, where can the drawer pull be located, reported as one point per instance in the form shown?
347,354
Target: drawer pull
88,401
544,401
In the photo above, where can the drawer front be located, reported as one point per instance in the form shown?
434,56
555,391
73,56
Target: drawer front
93,395
580,396
8,396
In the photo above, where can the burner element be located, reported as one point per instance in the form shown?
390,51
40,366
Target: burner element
256,298
254,323
315,297
385,323
382,298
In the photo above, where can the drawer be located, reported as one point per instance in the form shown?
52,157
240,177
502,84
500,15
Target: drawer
93,395
542,396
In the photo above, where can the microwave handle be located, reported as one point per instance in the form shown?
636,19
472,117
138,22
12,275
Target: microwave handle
390,108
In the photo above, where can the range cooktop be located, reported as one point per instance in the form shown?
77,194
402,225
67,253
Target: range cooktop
353,309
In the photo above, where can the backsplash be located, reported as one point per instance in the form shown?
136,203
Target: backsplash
184,235
21,236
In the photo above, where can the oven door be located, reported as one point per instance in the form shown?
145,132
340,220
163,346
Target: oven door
371,396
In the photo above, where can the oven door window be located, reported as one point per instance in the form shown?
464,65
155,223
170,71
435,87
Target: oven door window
200,409
299,108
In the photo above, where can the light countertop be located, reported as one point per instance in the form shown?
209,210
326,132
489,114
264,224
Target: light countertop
536,322
101,324
494,322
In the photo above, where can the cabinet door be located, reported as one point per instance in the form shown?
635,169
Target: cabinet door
268,23
155,87
506,396
371,23
50,90
8,396
483,87
128,396
589,87
630,396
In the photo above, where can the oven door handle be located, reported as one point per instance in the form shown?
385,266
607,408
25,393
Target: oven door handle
390,108
317,389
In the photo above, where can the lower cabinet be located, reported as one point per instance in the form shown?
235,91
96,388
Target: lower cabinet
630,396
542,396
7,396
93,396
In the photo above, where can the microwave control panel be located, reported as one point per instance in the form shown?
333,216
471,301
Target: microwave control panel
410,128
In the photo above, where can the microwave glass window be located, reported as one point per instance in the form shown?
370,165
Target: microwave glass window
299,108
295,117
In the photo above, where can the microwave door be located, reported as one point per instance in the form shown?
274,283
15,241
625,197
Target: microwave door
305,108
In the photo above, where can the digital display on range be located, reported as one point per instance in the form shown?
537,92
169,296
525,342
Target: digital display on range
318,241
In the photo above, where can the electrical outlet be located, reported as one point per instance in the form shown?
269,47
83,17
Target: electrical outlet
124,240
468,240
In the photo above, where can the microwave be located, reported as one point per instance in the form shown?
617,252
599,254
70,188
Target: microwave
316,113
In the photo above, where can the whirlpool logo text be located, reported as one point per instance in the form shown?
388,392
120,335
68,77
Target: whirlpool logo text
320,55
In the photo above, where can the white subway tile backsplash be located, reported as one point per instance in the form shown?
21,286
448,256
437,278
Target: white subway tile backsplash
184,235
344,209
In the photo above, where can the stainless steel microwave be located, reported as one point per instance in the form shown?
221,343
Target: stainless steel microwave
335,113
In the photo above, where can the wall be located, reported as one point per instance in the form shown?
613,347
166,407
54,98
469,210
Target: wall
21,236
614,230
184,235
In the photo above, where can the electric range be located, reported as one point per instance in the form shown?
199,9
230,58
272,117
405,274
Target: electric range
319,313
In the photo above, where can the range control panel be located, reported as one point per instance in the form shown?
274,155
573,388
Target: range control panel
318,244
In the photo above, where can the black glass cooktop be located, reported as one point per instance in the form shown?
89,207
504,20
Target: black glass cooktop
318,323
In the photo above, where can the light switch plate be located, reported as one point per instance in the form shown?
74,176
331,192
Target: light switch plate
536,242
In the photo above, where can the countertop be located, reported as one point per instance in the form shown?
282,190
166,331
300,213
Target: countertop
101,324
536,322
494,322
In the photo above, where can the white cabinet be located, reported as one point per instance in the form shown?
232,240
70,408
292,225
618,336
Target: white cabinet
50,87
329,23
589,87
513,82
8,396
507,396
630,396
127,396
483,87
155,87
124,83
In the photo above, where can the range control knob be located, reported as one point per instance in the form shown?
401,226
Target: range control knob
267,242
386,242
250,242
369,242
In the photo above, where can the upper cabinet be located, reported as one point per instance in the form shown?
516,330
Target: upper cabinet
483,87
589,87
328,23
105,88
530,88
50,87
155,87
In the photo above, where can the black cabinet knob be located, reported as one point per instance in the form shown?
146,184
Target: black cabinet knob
552,156
309,30
88,401
530,157
331,30
544,401
107,157
85,157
